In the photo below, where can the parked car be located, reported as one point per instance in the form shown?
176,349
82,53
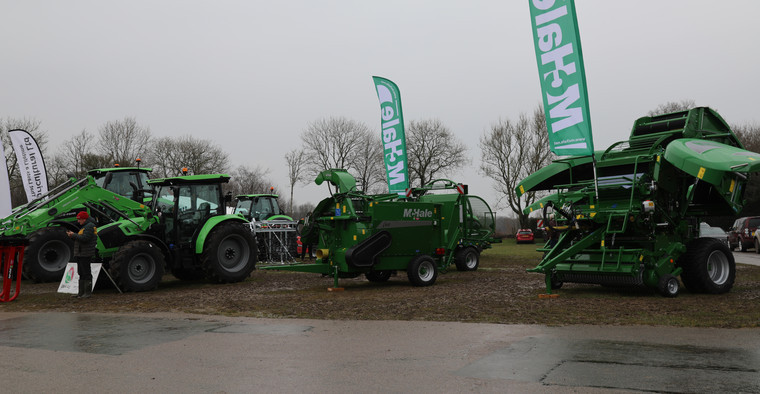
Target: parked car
742,234
705,230
525,235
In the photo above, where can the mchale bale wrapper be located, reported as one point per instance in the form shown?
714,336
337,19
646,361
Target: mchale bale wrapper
377,235
642,228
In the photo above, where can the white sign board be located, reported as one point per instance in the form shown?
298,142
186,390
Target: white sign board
70,281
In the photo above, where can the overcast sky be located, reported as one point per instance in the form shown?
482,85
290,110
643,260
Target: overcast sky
251,75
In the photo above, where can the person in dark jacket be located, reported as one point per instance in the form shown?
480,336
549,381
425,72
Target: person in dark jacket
84,249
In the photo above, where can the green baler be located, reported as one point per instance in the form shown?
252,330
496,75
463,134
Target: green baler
637,221
377,235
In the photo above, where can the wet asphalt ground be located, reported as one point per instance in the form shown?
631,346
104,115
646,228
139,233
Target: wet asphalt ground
89,353
749,257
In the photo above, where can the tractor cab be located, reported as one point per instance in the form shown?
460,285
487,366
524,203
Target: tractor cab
259,207
131,182
187,203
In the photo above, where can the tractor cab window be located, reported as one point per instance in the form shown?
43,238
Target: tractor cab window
265,207
125,183
186,207
244,207
201,200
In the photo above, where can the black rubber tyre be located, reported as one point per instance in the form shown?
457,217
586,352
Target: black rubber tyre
668,286
467,259
556,283
48,253
378,276
137,266
742,246
708,267
422,271
229,254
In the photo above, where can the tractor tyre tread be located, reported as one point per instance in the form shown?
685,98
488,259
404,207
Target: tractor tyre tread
37,271
230,253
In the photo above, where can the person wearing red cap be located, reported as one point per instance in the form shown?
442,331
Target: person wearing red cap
84,249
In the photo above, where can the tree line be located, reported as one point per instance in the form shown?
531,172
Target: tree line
510,150
334,142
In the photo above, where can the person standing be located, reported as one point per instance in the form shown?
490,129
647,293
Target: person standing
84,249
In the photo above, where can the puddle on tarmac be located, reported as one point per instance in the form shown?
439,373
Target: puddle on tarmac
623,365
101,334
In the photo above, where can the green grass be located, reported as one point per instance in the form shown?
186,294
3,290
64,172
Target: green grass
509,248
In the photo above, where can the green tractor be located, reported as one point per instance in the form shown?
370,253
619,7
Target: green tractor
276,233
45,220
187,233
632,218
378,235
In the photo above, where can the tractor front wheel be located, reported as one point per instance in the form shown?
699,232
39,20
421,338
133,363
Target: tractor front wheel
467,259
422,271
138,266
48,253
708,267
229,254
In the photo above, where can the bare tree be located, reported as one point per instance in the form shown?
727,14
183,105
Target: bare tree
18,195
296,161
301,211
433,151
672,106
368,163
123,140
511,151
72,153
168,155
250,180
332,143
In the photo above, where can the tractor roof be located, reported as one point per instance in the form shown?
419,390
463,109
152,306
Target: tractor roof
97,171
191,179
251,196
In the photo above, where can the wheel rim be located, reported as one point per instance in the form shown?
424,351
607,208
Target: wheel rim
672,286
53,256
142,268
471,260
233,253
717,267
426,271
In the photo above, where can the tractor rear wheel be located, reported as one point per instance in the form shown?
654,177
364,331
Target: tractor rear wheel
467,259
708,267
378,276
229,254
48,253
422,271
138,266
